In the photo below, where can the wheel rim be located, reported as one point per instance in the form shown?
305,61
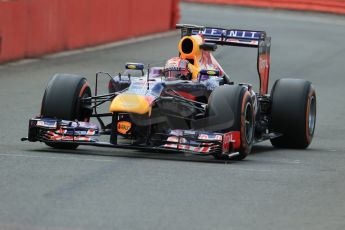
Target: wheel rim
312,115
248,123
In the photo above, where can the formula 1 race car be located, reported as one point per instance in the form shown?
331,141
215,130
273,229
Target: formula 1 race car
202,112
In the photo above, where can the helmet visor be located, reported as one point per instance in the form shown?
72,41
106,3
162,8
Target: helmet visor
173,74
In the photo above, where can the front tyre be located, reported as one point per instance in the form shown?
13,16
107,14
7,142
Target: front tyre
293,113
230,108
62,100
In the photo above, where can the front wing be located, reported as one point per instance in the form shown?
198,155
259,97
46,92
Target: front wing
87,133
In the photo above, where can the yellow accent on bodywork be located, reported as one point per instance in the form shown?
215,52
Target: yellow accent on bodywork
195,54
130,103
195,70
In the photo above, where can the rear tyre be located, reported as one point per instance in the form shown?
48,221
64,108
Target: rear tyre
230,108
293,113
62,100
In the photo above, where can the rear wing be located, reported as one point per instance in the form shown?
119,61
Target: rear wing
236,37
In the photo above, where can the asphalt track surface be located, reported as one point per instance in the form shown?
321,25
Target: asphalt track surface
100,188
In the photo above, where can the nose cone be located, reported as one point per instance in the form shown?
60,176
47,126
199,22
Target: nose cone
131,103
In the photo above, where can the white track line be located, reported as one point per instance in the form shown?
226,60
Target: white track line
113,44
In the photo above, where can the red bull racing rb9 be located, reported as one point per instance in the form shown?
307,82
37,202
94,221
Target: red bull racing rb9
188,105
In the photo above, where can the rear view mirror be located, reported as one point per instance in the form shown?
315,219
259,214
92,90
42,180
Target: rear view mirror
205,74
134,66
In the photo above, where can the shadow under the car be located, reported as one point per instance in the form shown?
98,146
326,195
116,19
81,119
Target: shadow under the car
143,154
261,149
147,154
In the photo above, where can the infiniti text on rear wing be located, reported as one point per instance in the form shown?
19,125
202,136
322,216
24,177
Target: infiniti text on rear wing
231,37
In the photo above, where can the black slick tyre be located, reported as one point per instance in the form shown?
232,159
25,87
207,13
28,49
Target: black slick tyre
293,113
230,108
62,100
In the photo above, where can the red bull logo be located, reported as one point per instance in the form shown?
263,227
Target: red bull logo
123,127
